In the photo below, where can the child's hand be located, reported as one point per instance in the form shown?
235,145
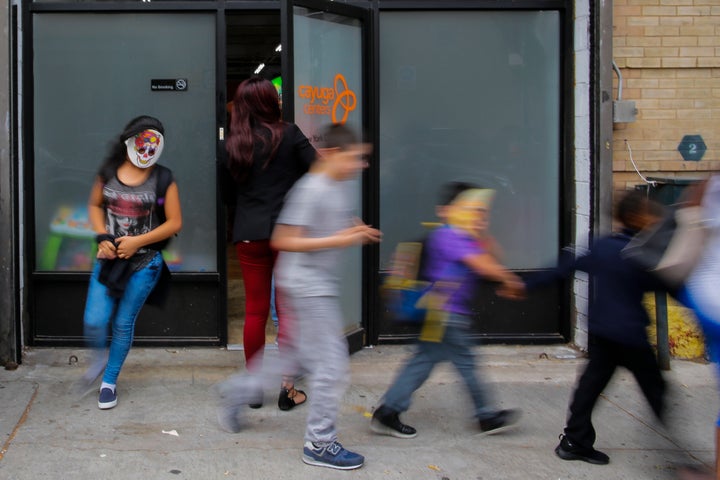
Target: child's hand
359,234
512,290
127,247
106,250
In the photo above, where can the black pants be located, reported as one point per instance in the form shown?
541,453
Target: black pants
605,356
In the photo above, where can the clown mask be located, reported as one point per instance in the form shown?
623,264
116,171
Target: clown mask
144,149
470,211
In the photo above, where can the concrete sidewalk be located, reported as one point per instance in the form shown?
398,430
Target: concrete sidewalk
164,425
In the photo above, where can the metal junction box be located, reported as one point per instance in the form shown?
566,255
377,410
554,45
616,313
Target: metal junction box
624,111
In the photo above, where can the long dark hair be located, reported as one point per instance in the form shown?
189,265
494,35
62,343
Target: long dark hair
255,113
117,152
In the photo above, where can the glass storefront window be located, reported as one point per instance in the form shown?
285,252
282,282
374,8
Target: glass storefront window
472,96
92,74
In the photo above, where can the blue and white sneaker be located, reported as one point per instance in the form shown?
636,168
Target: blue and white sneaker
332,455
107,399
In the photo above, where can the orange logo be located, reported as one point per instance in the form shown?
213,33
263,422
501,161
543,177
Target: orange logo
343,100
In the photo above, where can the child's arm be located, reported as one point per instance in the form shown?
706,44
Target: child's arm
292,238
96,215
485,265
128,246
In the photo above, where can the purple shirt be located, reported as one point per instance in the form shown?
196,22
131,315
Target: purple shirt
446,248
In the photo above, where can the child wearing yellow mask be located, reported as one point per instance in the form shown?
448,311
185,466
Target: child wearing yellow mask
457,255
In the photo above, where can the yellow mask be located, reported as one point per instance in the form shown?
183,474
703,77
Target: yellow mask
468,209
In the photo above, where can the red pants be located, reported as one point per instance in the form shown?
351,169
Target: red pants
256,261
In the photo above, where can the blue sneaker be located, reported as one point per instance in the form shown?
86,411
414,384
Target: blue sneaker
107,399
332,455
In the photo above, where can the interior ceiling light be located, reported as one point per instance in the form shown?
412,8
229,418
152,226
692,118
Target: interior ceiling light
259,68
278,48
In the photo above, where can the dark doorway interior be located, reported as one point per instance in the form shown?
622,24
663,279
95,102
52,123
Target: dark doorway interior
252,40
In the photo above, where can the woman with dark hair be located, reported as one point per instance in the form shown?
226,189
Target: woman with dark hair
266,156
134,208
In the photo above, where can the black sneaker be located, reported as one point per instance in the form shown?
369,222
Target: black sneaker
569,451
499,422
387,422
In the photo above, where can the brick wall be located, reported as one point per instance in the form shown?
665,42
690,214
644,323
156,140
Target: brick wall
668,52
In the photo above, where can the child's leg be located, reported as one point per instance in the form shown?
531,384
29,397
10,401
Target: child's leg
137,290
256,262
597,374
99,308
464,359
324,354
416,370
644,367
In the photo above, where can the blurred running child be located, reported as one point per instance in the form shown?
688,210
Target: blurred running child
315,224
457,255
617,322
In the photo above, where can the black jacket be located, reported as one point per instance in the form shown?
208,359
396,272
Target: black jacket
259,198
616,311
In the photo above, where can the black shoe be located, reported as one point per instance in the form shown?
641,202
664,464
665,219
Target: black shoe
387,422
288,398
499,422
569,451
255,405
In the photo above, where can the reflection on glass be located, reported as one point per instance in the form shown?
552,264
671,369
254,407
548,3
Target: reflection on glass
328,89
93,73
472,96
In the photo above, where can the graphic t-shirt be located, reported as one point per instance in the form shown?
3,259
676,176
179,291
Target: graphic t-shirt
130,211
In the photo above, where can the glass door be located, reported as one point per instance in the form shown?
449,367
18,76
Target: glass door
91,73
324,69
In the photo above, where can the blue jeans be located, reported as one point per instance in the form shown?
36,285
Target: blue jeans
457,348
101,309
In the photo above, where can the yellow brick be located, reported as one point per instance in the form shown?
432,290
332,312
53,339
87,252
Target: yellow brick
627,11
693,92
642,103
679,62
709,20
657,114
622,30
659,73
694,11
693,73
673,103
705,82
676,2
698,30
697,51
643,62
666,11
642,21
705,62
708,41
628,52
667,31
642,83
647,41
619,42
677,83
676,21
643,2
661,52
679,41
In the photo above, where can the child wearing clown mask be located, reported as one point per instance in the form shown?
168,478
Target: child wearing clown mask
456,255
123,210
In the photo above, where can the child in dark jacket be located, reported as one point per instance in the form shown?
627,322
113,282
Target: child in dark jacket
617,324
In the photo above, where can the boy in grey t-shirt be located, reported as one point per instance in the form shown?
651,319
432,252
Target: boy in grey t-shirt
315,224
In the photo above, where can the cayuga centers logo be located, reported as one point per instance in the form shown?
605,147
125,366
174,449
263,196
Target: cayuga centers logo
337,102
